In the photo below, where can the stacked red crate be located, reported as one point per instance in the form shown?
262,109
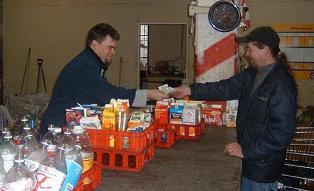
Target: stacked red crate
190,132
124,160
112,146
165,135
90,179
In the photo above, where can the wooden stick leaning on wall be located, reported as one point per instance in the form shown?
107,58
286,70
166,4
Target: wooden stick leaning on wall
120,70
25,68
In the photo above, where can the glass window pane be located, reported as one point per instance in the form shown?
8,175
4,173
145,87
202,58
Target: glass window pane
143,61
145,29
143,52
142,30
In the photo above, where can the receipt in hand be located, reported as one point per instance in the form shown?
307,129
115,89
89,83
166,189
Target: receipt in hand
166,89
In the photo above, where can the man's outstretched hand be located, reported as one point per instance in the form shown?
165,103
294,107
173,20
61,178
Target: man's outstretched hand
181,92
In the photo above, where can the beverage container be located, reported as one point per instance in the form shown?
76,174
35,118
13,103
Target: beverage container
19,178
67,141
52,138
2,171
87,153
33,126
74,164
57,133
52,172
29,145
34,158
3,127
3,133
28,137
17,132
8,151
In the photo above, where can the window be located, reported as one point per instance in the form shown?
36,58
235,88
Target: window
144,45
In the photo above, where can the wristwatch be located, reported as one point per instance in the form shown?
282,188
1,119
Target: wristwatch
224,16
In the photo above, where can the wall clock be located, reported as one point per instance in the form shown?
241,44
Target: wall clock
224,16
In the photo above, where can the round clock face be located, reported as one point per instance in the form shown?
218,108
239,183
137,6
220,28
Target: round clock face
224,16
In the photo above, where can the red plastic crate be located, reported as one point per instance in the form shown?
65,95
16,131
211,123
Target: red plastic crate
190,132
165,137
124,160
90,179
122,140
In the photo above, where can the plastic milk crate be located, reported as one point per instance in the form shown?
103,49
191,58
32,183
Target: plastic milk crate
190,132
122,140
124,160
90,179
165,135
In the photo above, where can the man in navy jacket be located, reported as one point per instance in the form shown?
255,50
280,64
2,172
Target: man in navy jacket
83,79
266,118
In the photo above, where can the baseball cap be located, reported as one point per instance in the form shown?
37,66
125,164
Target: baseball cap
263,34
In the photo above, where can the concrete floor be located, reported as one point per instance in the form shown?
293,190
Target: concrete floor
188,165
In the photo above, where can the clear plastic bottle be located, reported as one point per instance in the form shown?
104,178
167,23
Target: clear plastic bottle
75,166
52,171
67,141
19,178
8,151
3,127
51,138
57,133
33,126
34,158
87,153
29,141
3,133
29,145
17,131
2,172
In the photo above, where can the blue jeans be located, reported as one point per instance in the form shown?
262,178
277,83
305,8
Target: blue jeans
250,185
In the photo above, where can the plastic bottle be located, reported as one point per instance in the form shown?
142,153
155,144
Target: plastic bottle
34,158
8,151
29,141
67,141
87,153
52,172
33,126
3,127
29,145
17,132
27,130
2,171
57,133
3,133
75,166
51,138
19,178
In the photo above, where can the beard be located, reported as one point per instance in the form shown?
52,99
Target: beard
107,64
253,64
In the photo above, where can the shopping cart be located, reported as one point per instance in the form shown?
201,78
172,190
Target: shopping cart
298,172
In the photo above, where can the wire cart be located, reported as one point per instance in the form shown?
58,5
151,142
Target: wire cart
298,172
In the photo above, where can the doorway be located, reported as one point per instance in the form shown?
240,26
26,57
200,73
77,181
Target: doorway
162,54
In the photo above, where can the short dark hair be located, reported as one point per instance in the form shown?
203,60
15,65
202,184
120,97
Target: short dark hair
99,33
